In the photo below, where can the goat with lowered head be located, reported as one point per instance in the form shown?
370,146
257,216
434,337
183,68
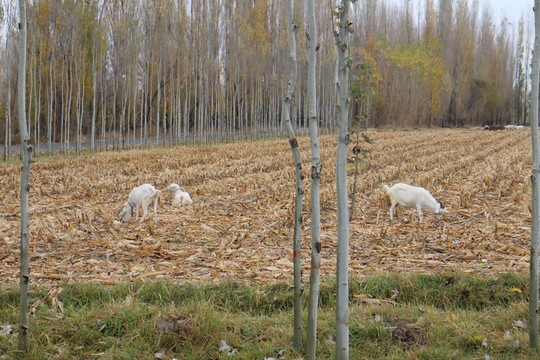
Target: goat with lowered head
141,196
415,197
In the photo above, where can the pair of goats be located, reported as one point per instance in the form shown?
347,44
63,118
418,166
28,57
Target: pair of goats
146,194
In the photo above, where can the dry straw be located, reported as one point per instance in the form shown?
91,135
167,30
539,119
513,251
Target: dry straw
240,226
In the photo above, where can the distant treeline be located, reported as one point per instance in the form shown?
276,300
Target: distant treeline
131,70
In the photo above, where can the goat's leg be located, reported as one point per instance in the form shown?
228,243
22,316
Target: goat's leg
155,208
420,214
136,212
392,210
145,211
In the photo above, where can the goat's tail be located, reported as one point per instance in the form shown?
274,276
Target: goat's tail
151,198
386,188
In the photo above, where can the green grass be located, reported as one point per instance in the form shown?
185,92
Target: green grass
419,316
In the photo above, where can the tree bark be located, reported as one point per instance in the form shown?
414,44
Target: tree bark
26,149
7,145
94,93
316,168
535,183
286,120
342,275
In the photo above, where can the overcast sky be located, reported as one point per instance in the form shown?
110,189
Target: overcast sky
511,9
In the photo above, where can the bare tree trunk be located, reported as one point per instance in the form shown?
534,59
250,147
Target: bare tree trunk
7,145
187,108
123,120
51,98
69,77
147,104
31,85
26,149
342,275
102,144
79,106
62,110
164,118
158,119
316,167
38,105
94,95
116,141
286,120
134,115
142,117
535,183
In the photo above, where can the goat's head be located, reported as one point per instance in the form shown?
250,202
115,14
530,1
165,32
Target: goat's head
439,211
126,212
173,188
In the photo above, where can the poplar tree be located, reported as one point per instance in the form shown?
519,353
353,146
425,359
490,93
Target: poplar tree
316,167
26,150
535,178
342,275
286,120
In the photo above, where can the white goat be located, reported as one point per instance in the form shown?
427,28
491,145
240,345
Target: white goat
180,197
412,196
141,196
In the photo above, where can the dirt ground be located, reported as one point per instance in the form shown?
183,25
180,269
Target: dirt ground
241,223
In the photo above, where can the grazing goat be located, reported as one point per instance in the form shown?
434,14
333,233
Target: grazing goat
141,196
180,197
412,196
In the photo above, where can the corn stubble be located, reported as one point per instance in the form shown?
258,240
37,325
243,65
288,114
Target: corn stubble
240,225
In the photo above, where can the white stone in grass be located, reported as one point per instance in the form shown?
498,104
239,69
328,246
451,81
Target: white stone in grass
6,330
226,348
522,324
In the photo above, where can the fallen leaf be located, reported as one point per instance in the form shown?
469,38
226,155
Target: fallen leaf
364,298
152,273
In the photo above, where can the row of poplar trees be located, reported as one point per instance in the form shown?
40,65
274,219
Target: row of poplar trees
116,72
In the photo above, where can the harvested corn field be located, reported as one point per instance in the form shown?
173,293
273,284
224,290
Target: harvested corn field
241,223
